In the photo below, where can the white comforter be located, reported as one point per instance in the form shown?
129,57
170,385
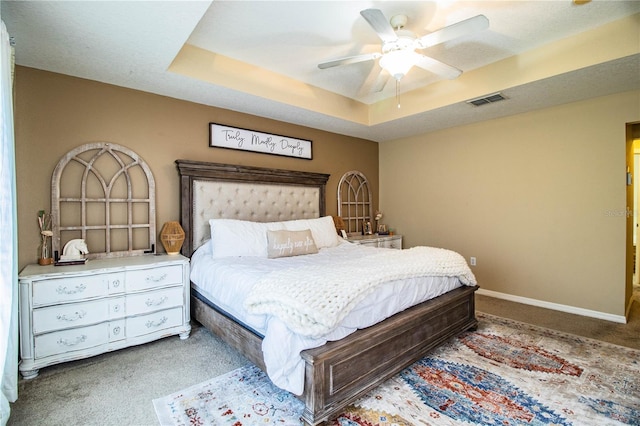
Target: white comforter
227,282
312,300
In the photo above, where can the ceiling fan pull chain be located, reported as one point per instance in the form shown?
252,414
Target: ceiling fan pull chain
398,93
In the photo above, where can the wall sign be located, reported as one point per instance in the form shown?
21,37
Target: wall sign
222,136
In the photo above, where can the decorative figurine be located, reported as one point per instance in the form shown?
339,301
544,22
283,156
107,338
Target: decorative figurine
74,250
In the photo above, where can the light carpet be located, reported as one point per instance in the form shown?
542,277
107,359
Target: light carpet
504,373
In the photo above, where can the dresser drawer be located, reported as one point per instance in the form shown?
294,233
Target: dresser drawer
380,241
372,243
141,279
395,243
71,340
144,324
154,300
52,318
69,289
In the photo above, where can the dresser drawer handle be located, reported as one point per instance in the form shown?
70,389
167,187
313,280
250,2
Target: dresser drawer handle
116,331
156,302
76,316
116,283
156,324
79,289
78,340
157,279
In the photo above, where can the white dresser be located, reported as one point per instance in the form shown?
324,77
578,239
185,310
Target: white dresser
73,312
375,240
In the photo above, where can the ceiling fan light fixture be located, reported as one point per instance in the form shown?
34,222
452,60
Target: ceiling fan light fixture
399,47
398,62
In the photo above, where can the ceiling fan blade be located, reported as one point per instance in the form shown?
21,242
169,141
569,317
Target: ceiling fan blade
380,24
437,67
375,81
459,29
381,82
349,60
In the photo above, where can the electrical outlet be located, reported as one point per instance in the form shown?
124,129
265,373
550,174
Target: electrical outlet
472,261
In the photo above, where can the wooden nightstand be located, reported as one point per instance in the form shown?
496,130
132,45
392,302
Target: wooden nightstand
74,312
386,241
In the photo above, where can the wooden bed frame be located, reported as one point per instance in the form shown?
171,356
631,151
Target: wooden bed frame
338,372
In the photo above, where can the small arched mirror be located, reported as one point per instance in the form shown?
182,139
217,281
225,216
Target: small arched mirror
355,202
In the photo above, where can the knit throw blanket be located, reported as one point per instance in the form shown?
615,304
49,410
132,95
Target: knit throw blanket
312,300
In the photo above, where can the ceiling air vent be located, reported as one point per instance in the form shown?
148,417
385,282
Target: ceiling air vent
489,99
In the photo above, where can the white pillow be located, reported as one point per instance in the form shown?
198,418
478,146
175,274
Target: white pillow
231,237
323,230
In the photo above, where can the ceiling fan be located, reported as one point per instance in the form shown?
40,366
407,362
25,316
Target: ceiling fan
399,46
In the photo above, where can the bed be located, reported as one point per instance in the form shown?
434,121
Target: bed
336,372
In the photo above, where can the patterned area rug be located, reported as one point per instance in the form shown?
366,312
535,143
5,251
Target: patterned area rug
505,373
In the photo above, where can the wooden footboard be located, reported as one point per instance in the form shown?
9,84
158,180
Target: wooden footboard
339,372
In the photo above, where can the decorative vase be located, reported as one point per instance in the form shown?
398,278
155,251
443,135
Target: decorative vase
44,252
172,237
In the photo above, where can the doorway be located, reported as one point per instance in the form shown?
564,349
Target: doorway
632,287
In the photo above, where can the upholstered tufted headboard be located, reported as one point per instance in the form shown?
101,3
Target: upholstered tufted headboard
214,190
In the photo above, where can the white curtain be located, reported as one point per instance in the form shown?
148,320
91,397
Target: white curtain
8,225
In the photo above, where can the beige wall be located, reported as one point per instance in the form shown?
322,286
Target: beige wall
56,113
538,198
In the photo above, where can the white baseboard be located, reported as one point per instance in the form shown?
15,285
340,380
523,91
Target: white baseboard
554,306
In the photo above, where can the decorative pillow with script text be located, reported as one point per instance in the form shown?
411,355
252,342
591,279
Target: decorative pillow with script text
290,243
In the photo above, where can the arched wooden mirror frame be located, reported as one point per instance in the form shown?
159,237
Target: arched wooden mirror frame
355,201
93,194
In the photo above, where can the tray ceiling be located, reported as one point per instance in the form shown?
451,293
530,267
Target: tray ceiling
261,57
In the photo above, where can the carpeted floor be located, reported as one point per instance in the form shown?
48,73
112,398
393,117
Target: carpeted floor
117,388
620,334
